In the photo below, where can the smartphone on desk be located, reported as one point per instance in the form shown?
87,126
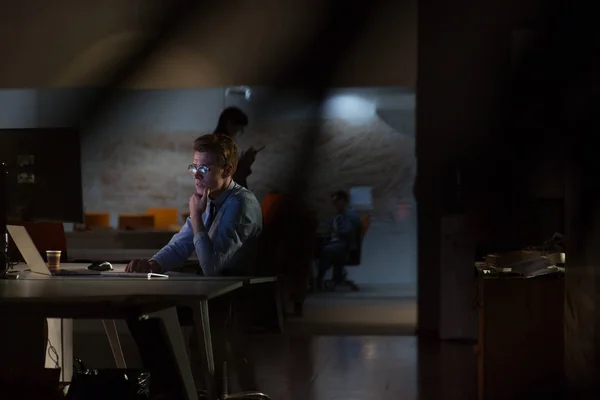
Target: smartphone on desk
138,275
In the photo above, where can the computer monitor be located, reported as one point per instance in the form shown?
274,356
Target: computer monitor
40,179
44,174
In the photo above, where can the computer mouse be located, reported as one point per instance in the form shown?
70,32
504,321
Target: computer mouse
101,266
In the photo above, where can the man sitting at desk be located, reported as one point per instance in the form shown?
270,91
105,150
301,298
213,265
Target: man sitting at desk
223,228
225,218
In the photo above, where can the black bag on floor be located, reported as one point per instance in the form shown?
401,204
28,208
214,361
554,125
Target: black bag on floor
113,384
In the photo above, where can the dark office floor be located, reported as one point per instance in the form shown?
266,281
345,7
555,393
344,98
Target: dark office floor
305,367
361,346
349,346
374,310
364,368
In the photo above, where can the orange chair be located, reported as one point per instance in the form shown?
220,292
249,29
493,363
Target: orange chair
97,220
184,217
268,206
134,222
164,218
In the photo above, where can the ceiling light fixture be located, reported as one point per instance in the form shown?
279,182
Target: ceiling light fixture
239,91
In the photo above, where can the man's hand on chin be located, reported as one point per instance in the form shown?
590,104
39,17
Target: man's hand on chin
198,204
143,266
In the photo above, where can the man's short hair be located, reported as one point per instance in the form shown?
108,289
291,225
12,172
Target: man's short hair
220,145
340,195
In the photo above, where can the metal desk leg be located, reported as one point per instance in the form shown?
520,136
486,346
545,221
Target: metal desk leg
202,324
254,395
110,327
173,331
202,328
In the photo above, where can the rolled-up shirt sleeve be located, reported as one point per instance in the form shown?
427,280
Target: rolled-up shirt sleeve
178,250
237,224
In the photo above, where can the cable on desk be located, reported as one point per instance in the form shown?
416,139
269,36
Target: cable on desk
52,351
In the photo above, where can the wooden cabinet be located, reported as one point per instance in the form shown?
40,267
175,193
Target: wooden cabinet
520,346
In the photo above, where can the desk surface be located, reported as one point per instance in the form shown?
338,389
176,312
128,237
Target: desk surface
97,296
173,276
82,290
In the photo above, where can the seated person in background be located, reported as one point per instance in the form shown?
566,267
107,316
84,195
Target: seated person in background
345,230
225,219
232,123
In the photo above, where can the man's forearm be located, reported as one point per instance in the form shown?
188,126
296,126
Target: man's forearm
198,225
177,250
204,250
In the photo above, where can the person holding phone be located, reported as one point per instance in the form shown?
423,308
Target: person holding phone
232,123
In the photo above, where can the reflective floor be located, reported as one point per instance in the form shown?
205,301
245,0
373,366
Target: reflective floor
303,367
348,346
364,368
336,368
374,310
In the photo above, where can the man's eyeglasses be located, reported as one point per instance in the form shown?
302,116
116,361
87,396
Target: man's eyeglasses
193,169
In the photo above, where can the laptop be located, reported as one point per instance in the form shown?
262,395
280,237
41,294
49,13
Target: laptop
33,258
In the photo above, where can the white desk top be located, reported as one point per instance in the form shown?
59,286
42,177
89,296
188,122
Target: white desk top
173,276
83,290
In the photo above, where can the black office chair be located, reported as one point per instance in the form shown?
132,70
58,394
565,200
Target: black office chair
340,274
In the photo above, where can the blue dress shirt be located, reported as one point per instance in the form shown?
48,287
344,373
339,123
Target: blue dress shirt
231,238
